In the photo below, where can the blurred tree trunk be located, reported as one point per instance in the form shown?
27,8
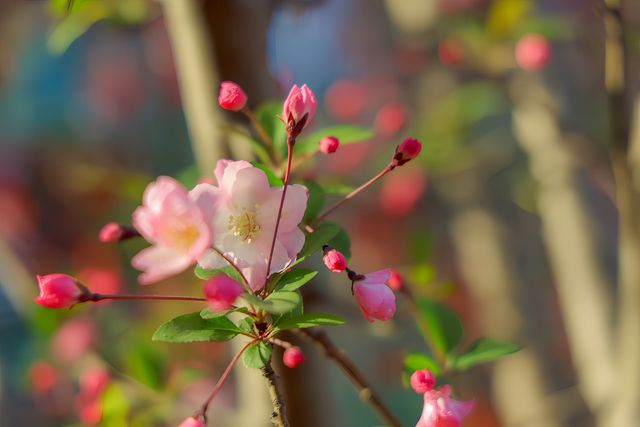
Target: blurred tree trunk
583,289
519,388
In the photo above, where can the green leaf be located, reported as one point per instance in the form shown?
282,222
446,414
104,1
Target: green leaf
309,320
205,274
415,362
294,279
443,323
347,134
207,313
246,325
316,240
193,328
257,355
274,181
276,303
267,116
146,364
482,351
316,201
115,406
342,242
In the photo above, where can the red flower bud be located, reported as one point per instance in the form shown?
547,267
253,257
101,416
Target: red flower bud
293,357
232,97
407,150
334,260
329,144
395,282
532,52
192,422
58,291
221,292
422,381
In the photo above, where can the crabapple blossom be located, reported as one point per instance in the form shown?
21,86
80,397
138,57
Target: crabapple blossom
221,292
231,96
293,357
299,102
375,298
329,144
422,381
334,260
58,291
441,410
172,221
247,209
532,52
396,281
192,422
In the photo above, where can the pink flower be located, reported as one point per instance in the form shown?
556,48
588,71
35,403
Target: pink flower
58,291
293,357
334,260
390,119
231,96
440,410
171,220
221,292
192,422
345,99
395,282
299,102
93,383
245,221
407,150
43,377
422,381
533,52
401,191
329,144
375,298
75,338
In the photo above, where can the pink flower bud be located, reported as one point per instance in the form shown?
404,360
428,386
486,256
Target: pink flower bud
114,233
422,381
192,422
395,282
532,52
407,150
440,409
58,291
329,144
293,357
231,96
300,102
221,292
375,298
334,260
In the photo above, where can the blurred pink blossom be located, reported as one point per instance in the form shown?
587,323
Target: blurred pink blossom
375,298
390,119
401,191
422,381
533,52
93,383
43,377
440,410
192,422
345,100
221,292
73,339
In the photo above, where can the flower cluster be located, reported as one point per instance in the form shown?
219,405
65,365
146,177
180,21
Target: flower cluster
439,409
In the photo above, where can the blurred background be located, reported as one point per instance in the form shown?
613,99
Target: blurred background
510,215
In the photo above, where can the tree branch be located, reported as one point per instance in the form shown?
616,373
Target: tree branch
278,416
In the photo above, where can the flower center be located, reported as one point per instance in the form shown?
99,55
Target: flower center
244,224
182,236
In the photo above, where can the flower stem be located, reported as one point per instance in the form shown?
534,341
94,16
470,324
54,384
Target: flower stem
351,195
100,297
235,267
290,142
202,412
278,416
349,369
264,136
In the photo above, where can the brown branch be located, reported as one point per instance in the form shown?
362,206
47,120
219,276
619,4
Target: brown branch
278,416
350,370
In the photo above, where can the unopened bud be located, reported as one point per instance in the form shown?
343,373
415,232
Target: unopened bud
221,292
231,96
422,381
59,291
334,260
114,233
395,282
192,422
293,357
329,144
407,150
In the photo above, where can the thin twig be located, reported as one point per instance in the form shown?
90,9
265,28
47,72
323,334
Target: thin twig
278,416
101,297
264,136
349,369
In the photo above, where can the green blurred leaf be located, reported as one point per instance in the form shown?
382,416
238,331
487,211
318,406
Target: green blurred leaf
347,134
146,364
505,16
316,201
266,115
309,320
482,351
280,302
193,328
444,324
115,406
257,355
342,242
274,181
246,325
294,279
316,240
415,362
